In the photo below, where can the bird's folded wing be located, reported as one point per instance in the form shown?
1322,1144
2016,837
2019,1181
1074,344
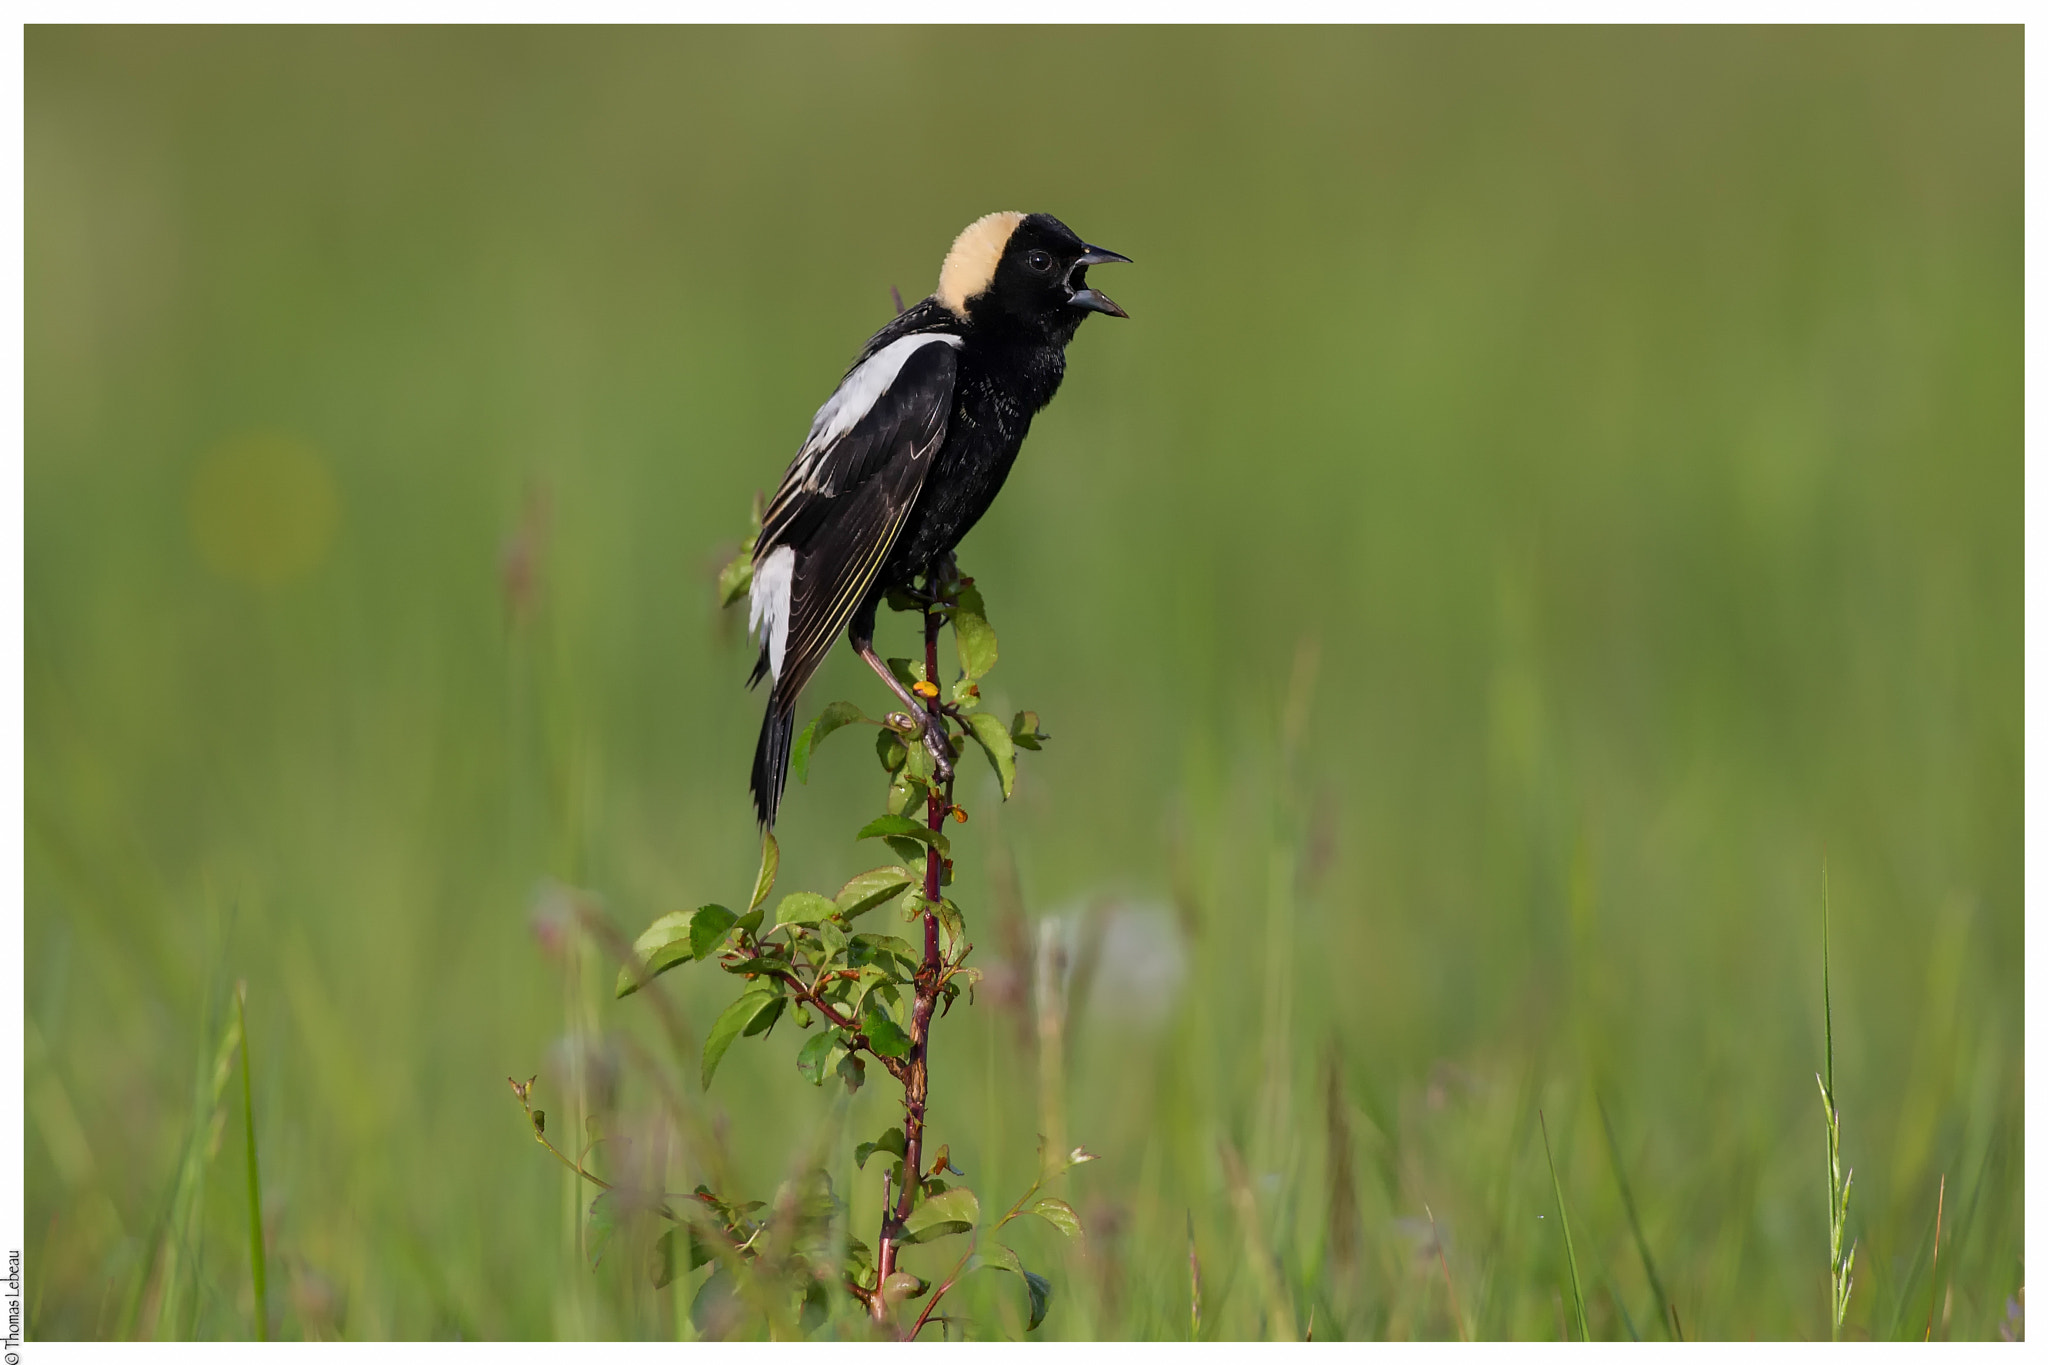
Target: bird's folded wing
849,490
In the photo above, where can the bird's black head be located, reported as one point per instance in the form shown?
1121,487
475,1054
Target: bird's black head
1024,271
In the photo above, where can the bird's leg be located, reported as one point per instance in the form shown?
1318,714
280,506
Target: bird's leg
934,735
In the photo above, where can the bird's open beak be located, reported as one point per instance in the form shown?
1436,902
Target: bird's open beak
1094,300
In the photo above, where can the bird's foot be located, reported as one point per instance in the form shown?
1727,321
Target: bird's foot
937,745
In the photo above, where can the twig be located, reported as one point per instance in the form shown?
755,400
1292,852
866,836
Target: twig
812,994
1015,1210
540,1136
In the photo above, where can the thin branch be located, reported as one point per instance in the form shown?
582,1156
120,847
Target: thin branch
1016,1210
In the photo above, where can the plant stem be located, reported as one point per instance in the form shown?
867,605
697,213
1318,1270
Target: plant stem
974,1246
1934,1275
257,1277
1841,1264
1564,1226
917,1075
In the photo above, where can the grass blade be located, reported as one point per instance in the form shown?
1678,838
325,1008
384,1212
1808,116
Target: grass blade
1667,1309
1279,1309
257,1280
1571,1259
1934,1275
1841,1264
1444,1264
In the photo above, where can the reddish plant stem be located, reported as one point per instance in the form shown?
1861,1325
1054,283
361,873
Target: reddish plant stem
916,1082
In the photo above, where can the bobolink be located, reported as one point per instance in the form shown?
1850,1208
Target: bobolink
906,455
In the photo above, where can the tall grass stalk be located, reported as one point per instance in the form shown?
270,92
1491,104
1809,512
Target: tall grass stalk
156,1312
1564,1225
1279,1310
1841,1263
257,1278
1934,1273
1667,1309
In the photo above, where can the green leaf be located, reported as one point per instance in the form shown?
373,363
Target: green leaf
765,965
860,1260
839,713
607,1211
887,824
749,922
885,1035
771,858
815,1056
972,634
836,715
708,929
853,1071
717,1308
765,1020
909,850
891,1141
1024,731
889,748
943,1215
800,752
1040,1290
737,576
996,1256
1060,1214
661,1259
952,929
996,743
966,694
904,1285
917,762
883,949
737,1016
869,889
909,672
832,934
816,1309
903,827
665,944
802,907
676,1252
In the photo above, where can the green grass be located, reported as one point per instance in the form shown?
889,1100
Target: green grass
1553,485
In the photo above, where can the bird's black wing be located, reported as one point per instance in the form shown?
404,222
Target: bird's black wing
848,491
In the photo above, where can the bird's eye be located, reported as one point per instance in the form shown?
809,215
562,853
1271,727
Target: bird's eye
1039,261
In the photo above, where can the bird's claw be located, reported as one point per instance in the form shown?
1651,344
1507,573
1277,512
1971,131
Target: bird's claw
942,756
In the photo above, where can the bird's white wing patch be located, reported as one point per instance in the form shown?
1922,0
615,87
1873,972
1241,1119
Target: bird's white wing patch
857,393
768,604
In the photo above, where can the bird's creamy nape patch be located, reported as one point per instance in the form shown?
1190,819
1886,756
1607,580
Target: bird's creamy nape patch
971,264
768,604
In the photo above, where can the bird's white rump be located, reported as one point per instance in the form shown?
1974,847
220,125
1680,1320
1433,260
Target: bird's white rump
768,604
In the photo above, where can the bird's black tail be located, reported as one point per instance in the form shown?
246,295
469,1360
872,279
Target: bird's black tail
771,760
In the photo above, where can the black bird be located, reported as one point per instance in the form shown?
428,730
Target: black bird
906,455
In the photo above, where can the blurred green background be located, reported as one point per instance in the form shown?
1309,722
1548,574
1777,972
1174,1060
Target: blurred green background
1558,490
